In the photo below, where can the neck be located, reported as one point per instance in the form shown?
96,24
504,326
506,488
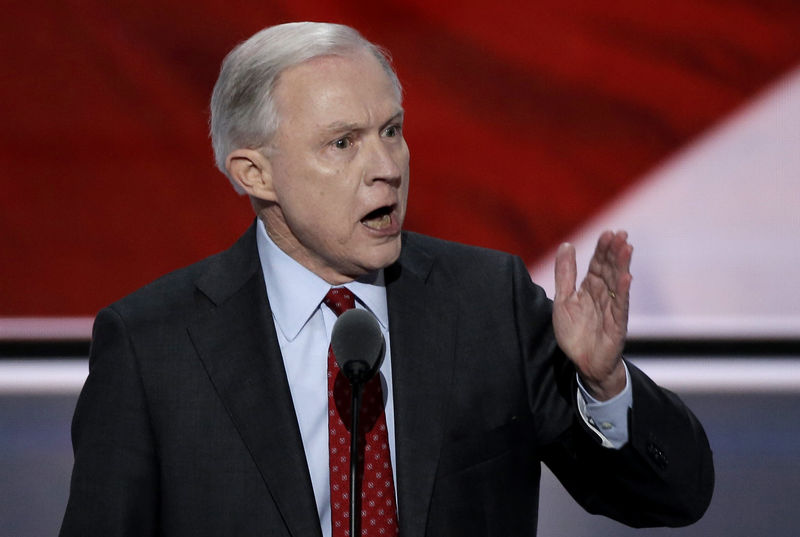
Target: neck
278,231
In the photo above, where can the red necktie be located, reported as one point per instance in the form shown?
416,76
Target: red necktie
374,469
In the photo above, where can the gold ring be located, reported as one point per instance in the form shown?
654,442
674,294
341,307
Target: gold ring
612,294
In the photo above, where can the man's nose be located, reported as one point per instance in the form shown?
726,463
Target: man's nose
384,162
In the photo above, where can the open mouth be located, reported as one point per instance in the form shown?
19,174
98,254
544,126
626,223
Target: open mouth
379,219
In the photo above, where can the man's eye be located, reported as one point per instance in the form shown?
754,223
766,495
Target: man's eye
342,143
392,131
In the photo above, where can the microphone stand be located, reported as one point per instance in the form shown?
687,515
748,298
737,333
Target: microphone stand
357,388
358,346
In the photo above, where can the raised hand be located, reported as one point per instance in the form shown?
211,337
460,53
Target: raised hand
591,322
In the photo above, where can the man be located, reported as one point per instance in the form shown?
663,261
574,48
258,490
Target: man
206,409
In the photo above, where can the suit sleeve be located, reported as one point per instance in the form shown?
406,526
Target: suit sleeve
663,476
114,487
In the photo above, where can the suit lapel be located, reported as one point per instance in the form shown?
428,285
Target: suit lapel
422,326
237,344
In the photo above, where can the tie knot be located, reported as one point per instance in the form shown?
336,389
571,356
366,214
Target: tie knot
339,300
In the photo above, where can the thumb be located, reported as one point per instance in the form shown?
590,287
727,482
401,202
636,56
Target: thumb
566,271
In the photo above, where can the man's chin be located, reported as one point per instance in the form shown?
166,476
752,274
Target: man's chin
383,255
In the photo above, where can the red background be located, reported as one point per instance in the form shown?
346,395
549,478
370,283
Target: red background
523,119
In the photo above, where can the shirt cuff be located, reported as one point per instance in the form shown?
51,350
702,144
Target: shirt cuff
608,419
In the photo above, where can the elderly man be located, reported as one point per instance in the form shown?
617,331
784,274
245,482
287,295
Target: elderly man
210,404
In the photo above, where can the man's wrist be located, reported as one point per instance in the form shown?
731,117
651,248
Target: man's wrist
608,419
611,386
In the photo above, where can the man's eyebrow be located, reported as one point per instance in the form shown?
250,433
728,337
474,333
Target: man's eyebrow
399,115
341,126
396,118
344,126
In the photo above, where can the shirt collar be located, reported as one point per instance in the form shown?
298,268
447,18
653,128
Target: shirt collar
295,292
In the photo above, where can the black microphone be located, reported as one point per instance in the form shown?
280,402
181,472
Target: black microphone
358,346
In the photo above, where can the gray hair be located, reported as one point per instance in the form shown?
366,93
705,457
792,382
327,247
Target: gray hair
243,112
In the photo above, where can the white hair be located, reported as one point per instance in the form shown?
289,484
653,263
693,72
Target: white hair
243,112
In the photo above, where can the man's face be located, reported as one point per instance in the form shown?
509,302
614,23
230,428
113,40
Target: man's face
339,167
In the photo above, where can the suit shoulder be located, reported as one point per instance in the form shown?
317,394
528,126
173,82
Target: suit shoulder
217,275
165,294
181,291
457,253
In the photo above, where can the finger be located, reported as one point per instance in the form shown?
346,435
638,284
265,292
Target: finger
620,303
621,286
609,274
620,256
613,257
566,271
598,263
624,277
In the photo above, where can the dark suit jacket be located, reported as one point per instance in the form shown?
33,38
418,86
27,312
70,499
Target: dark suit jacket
186,426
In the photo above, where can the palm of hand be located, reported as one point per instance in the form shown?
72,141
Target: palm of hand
590,323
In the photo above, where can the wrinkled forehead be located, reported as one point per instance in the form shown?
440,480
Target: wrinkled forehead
336,87
362,55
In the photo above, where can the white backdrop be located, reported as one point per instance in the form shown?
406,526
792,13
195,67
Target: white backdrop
716,229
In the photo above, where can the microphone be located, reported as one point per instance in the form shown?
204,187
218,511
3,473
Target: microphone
358,347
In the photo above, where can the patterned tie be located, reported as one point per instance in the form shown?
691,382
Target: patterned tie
374,469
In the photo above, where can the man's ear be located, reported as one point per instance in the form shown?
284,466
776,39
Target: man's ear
252,171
